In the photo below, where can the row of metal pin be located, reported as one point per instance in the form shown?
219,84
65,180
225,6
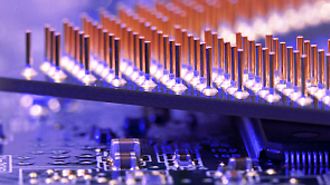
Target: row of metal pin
206,64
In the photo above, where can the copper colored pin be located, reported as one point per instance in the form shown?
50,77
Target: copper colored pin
147,58
196,51
178,60
296,64
166,52
289,64
141,54
81,47
135,49
87,52
252,58
328,45
327,71
246,52
276,50
233,73
303,74
221,52
117,57
314,63
215,50
271,72
321,66
239,42
76,43
57,50
172,42
105,46
299,44
208,66
111,50
28,48
282,61
240,67
258,70
269,42
307,52
227,65
160,46
265,62
52,45
46,51
202,58
190,49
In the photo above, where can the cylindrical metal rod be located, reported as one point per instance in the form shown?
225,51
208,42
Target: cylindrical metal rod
105,45
208,66
300,44
81,47
221,52
202,58
233,63
303,74
240,67
327,71
258,69
196,44
172,42
166,51
46,43
227,57
265,61
272,61
135,48
28,48
111,50
57,50
320,66
52,45
289,63
178,60
314,63
282,61
141,54
296,63
87,52
147,57
252,59
117,56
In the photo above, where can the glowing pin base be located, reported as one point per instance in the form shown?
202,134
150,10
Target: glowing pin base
135,75
110,76
159,73
210,91
232,88
70,65
219,79
326,99
249,83
45,67
295,95
202,84
171,81
272,97
59,76
287,91
304,100
165,77
153,69
64,61
99,68
263,92
178,88
28,73
240,94
129,70
93,65
320,93
280,85
51,71
140,79
148,84
76,69
88,79
196,79
118,82
312,89
189,76
105,72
